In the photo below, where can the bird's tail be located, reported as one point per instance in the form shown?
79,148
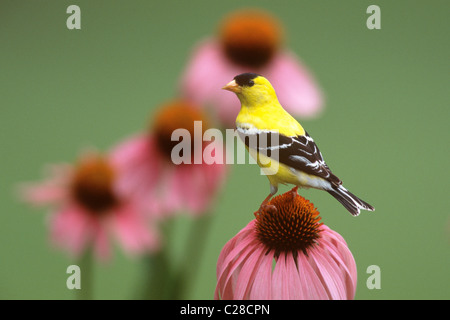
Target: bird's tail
351,202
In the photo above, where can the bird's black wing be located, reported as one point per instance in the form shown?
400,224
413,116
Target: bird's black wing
298,152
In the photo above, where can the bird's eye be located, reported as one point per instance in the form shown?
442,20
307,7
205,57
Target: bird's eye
251,83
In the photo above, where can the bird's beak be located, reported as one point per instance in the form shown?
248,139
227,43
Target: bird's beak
233,87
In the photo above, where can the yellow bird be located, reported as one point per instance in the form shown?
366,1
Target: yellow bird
283,149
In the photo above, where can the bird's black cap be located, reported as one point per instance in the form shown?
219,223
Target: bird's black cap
246,79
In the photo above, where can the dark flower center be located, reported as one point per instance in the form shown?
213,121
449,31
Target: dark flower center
250,38
92,185
177,115
293,227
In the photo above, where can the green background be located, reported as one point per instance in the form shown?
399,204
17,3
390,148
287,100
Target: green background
384,130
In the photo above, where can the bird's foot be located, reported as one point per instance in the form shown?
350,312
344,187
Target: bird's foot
267,208
294,192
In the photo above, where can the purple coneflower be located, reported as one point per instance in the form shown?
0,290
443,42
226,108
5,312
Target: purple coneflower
311,260
249,40
87,208
152,177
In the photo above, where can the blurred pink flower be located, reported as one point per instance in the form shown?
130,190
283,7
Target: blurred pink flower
151,176
249,41
311,260
87,208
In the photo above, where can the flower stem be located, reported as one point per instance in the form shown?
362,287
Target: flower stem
189,266
85,263
157,270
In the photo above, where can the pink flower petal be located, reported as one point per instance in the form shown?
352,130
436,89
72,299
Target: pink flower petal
135,235
189,187
279,288
206,59
140,171
262,285
215,173
247,274
329,273
173,195
229,277
228,248
194,191
208,62
337,248
51,191
347,269
342,251
230,258
70,228
292,277
312,287
101,244
138,162
42,194
296,89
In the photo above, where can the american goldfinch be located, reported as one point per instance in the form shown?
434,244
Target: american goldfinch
290,155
